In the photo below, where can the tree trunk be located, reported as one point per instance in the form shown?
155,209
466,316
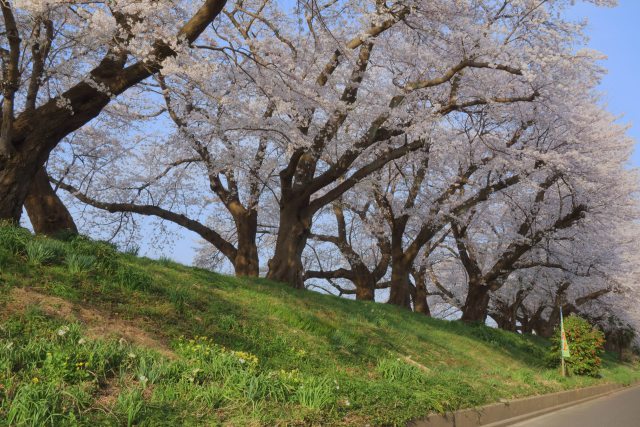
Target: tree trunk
506,316
476,306
15,178
246,262
400,293
365,294
286,264
35,137
547,327
420,303
526,326
365,286
400,290
36,133
47,213
501,320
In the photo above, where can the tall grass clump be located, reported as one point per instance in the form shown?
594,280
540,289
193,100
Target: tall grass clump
14,239
131,278
80,263
45,251
105,254
5,257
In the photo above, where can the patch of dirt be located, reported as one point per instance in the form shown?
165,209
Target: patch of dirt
420,366
108,394
98,324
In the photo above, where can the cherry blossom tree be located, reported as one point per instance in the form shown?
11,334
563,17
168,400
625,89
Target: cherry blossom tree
64,61
448,151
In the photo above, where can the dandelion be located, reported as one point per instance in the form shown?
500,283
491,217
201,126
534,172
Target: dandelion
63,331
35,380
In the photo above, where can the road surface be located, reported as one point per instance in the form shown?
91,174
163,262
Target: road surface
620,409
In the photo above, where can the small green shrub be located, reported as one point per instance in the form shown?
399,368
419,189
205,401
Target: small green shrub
78,263
586,345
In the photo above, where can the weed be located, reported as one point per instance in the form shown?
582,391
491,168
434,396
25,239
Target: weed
132,279
5,257
130,403
316,393
48,251
14,239
79,263
132,250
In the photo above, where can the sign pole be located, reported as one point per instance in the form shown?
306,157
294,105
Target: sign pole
564,345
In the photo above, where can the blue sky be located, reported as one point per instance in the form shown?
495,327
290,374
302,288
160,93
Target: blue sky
616,33
612,31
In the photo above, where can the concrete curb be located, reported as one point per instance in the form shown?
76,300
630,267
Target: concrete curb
507,413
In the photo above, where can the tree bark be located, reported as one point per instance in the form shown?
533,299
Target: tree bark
294,230
400,293
48,215
420,302
365,285
476,306
365,293
246,262
14,186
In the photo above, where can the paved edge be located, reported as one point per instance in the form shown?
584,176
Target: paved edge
514,411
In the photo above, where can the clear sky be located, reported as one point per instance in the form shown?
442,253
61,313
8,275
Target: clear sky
612,31
616,33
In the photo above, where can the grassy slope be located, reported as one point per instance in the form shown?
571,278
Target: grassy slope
320,359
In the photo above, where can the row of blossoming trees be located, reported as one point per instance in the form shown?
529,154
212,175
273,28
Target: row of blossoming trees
449,156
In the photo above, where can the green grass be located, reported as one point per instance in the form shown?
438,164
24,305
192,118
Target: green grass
231,351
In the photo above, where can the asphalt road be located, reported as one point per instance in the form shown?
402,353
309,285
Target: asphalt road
621,409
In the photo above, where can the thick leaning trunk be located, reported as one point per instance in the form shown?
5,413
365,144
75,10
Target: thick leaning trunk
15,179
476,306
246,262
35,138
48,215
36,133
286,264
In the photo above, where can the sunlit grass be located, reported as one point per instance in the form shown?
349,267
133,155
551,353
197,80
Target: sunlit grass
219,349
